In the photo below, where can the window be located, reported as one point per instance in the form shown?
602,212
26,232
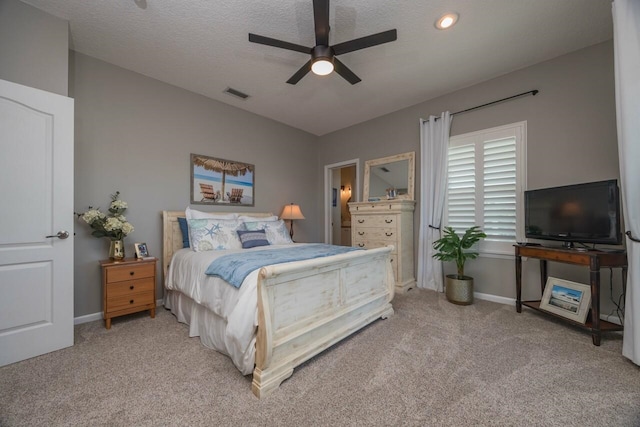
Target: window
485,182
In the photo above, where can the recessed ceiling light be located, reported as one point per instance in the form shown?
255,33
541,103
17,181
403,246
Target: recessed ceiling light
447,21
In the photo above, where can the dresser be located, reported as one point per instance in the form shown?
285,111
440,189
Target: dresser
128,286
382,223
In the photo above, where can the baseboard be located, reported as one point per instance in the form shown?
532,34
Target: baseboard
98,316
87,318
495,298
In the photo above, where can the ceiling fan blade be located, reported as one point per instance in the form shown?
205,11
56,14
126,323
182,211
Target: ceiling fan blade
345,72
254,38
364,42
300,73
321,19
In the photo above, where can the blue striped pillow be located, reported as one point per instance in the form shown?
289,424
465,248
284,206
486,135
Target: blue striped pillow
252,238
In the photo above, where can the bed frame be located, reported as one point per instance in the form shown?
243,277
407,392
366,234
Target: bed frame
304,307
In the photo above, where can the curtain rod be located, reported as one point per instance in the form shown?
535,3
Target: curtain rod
531,92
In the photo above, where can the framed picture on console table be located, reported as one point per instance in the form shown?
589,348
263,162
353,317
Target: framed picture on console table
567,299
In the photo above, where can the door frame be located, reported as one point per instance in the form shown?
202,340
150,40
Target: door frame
328,185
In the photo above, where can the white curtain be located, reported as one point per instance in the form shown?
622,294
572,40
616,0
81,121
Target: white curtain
434,143
626,39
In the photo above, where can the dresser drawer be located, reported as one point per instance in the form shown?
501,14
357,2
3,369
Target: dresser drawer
122,302
384,234
371,244
130,272
359,221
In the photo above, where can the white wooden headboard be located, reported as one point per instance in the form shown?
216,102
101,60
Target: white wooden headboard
172,235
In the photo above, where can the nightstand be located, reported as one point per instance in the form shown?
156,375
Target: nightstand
128,286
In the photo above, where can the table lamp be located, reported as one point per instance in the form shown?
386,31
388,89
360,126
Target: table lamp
291,212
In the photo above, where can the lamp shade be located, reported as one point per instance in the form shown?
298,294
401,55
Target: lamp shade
291,212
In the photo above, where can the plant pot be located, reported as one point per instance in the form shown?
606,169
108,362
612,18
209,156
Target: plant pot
459,289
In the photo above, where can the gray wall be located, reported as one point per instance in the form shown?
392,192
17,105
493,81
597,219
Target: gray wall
134,134
571,138
34,47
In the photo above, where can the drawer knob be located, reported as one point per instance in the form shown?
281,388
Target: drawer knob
388,221
361,245
131,273
131,287
361,233
130,301
388,234
360,221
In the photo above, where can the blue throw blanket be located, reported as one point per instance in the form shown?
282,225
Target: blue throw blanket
235,267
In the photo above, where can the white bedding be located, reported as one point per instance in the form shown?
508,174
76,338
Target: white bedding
233,311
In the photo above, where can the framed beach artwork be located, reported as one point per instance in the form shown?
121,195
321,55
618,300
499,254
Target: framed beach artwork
567,299
221,182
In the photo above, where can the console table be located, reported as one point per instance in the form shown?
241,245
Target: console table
593,259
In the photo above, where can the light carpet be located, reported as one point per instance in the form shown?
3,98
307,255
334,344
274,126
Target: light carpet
430,364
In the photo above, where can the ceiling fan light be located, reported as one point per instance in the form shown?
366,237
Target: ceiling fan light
446,21
322,67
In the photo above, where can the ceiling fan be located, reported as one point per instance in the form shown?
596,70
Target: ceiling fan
323,57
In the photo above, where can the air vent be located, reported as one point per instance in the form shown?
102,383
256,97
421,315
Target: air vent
236,93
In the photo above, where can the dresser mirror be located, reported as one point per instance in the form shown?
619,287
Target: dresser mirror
389,177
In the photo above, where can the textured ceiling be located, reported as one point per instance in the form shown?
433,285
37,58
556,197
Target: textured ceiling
202,46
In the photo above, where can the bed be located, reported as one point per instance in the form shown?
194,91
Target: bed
290,312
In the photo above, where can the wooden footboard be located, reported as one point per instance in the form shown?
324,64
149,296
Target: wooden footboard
307,306
304,307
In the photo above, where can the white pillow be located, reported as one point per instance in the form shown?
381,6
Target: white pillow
248,218
276,231
214,234
195,214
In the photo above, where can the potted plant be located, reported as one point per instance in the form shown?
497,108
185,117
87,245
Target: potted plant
451,247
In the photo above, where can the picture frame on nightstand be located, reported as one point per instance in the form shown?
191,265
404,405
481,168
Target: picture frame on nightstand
141,250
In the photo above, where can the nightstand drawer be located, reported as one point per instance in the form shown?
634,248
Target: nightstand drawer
123,302
129,272
129,288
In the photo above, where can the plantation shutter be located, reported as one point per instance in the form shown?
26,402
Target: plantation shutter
461,187
486,177
499,189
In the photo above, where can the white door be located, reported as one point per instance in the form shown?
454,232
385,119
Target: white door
36,199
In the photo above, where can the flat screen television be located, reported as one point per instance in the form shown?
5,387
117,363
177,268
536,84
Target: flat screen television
584,213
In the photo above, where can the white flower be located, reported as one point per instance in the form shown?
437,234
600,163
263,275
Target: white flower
118,205
113,224
91,215
127,228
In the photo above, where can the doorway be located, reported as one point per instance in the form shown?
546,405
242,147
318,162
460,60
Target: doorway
341,187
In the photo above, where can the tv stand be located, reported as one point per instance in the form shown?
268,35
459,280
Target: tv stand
593,259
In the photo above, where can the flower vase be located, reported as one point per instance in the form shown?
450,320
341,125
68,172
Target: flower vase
116,249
